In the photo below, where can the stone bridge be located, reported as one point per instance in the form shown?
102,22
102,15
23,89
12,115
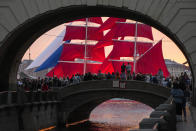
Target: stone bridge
30,111
77,101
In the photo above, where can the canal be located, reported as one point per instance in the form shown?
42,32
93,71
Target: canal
113,115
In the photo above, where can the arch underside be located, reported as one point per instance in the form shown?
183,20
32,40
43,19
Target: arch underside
23,21
78,107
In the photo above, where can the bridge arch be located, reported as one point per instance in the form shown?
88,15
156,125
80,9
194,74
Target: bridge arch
23,21
79,100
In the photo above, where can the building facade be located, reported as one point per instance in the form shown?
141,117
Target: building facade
175,69
30,72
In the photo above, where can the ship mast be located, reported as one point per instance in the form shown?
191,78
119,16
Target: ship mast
135,45
135,48
29,54
85,47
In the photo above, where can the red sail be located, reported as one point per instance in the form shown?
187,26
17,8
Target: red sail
110,22
122,49
57,71
107,39
125,29
72,51
126,48
93,68
97,20
64,69
152,61
107,65
95,54
142,47
79,32
72,68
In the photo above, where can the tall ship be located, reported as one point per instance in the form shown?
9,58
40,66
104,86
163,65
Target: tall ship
144,55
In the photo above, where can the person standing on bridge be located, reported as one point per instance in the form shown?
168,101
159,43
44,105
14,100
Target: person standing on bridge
128,69
160,76
178,95
117,77
44,87
123,75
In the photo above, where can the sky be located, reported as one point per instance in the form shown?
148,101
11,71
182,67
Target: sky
170,50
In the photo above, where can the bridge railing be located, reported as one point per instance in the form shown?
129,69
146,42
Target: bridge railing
13,97
80,82
163,118
111,82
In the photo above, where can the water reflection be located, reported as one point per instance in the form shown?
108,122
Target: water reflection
113,115
120,112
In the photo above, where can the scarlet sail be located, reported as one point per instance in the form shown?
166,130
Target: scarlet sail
125,29
126,48
72,51
152,61
56,71
79,32
110,22
107,66
150,57
64,69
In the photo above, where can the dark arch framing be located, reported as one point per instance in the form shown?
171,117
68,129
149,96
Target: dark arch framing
19,40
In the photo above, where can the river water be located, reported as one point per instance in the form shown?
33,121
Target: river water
112,115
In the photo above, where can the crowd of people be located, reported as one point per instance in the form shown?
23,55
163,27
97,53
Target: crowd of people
181,93
180,86
49,82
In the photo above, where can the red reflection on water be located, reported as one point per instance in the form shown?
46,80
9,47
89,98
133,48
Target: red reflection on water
47,129
122,113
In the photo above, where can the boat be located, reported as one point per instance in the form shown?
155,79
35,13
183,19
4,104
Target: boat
146,56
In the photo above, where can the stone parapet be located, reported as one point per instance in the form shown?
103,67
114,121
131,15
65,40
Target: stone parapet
28,111
149,123
162,119
166,116
14,98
